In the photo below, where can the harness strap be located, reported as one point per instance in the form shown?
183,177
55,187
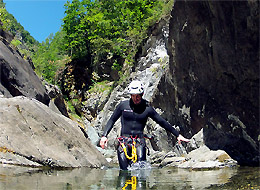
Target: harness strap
134,155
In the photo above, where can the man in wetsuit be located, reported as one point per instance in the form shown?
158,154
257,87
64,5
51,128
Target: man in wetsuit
134,114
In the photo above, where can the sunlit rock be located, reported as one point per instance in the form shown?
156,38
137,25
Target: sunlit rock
34,135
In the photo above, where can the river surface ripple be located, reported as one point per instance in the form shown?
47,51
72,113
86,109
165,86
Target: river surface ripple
24,178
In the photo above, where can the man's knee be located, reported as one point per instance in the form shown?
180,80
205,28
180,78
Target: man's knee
141,153
123,161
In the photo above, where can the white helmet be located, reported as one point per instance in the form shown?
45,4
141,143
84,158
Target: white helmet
135,87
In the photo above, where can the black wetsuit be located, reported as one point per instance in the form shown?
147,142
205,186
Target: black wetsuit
133,121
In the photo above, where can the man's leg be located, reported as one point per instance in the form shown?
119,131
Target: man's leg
123,161
141,150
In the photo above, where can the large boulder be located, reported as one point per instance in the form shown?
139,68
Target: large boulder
17,76
34,135
213,78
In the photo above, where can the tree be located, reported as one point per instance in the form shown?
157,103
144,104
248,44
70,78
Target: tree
50,57
102,29
76,40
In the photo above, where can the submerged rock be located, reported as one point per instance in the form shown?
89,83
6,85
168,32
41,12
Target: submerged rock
34,135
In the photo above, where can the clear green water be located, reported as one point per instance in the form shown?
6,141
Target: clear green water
23,178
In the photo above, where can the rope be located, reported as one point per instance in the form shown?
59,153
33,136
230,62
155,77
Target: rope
134,155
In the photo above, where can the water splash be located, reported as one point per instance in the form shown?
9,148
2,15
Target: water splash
140,169
140,165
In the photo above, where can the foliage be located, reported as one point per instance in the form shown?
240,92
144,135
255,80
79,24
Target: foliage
16,43
72,109
27,43
11,24
93,32
100,87
50,58
98,30
104,29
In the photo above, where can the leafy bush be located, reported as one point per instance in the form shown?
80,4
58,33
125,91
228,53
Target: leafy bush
16,43
50,58
100,87
101,29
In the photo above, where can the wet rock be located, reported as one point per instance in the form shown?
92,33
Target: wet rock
203,157
32,134
156,158
196,155
10,158
172,161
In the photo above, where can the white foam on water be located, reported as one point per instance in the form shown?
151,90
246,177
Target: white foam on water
140,165
140,169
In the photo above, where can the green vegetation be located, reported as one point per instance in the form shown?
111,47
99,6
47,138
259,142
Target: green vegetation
93,33
104,29
71,107
16,43
9,23
50,58
100,87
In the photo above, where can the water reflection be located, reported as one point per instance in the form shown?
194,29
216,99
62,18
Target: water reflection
128,181
172,179
135,177
23,178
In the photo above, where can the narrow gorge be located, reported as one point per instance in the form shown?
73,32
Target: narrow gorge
200,69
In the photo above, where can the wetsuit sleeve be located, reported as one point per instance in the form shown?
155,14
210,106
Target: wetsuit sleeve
117,113
162,122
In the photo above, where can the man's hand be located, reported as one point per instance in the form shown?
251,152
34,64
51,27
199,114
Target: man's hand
103,142
181,138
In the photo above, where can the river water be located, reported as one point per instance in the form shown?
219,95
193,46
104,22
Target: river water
24,178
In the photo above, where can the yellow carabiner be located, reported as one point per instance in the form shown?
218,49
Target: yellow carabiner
134,155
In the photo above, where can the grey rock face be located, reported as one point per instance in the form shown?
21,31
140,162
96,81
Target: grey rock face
213,78
17,76
32,134
57,102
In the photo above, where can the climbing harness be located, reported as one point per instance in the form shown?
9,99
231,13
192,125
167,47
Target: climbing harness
133,157
130,182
